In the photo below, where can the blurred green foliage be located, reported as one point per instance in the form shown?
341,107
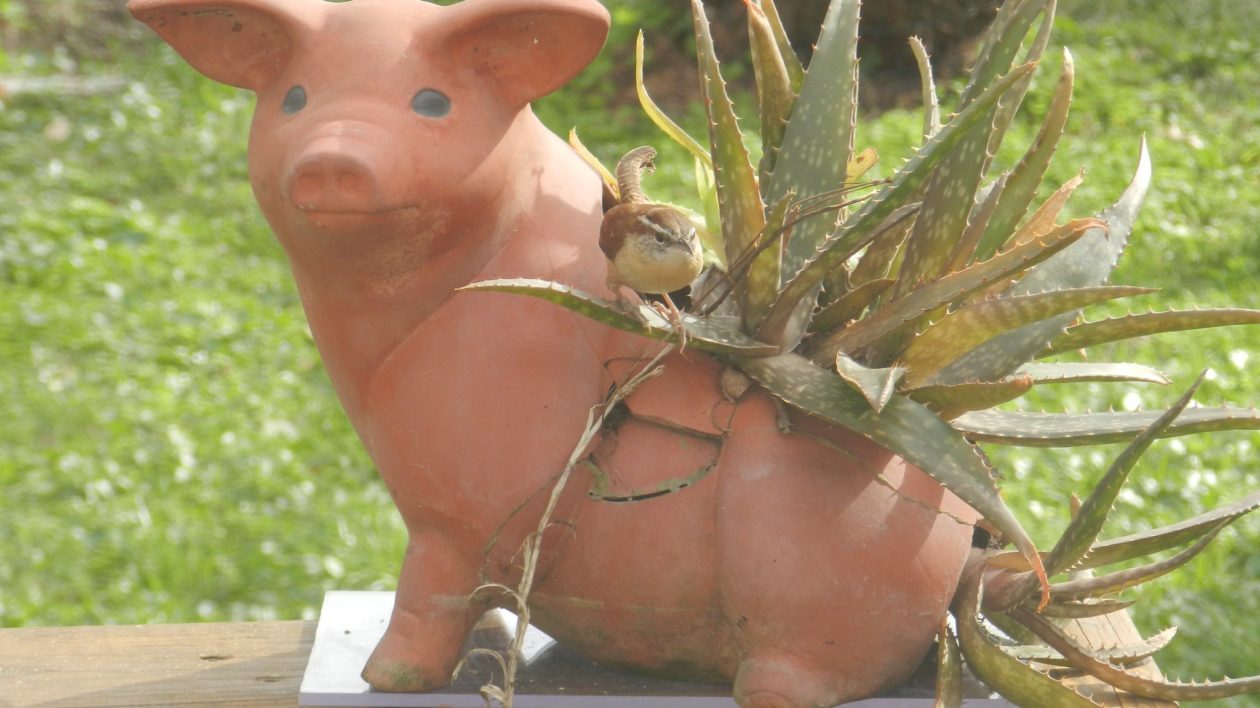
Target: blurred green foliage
171,450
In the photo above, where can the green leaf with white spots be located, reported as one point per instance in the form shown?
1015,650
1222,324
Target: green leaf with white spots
739,201
1144,543
904,312
796,72
951,401
859,228
1086,524
719,335
964,329
849,305
1114,329
1112,583
1021,186
775,96
1087,263
875,385
1028,429
1074,372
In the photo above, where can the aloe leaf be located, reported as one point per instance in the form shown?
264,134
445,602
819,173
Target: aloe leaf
1028,429
915,305
1026,176
904,427
1089,607
1082,660
1083,530
706,190
875,385
796,72
774,87
964,329
739,201
931,105
1011,102
662,121
1123,655
986,201
952,400
1016,681
713,334
849,305
1002,43
1087,263
610,182
1073,372
860,227
1118,550
1112,583
818,140
949,675
1114,329
878,260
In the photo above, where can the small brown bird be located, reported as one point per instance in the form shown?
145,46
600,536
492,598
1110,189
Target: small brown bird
652,248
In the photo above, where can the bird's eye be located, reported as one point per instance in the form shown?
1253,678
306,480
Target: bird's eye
431,103
660,238
294,100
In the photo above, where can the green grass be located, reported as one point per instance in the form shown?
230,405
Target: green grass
171,450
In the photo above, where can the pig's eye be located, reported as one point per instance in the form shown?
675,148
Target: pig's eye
431,103
294,100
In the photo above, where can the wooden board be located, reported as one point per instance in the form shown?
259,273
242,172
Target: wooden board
226,664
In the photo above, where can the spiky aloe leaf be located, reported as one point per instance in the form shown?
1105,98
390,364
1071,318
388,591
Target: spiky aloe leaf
1125,548
910,308
1001,44
796,72
962,330
739,201
818,139
1150,688
774,86
986,201
904,427
1090,607
1124,654
931,105
654,112
879,259
949,677
1026,176
952,400
1114,329
1015,680
1073,372
859,228
713,334
1087,263
875,385
1028,429
849,305
1083,530
1112,583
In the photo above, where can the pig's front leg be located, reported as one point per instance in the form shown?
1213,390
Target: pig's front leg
433,613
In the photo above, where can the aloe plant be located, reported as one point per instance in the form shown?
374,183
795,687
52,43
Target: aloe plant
908,309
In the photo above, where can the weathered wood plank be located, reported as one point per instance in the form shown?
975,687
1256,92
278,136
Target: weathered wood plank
223,664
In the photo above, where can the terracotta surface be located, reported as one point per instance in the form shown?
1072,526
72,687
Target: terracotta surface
792,568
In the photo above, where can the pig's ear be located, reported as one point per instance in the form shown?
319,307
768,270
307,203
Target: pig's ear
241,43
528,48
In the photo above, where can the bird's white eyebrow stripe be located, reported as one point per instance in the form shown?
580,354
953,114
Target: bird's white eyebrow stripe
643,219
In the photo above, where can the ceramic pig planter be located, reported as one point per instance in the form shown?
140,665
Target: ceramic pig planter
394,154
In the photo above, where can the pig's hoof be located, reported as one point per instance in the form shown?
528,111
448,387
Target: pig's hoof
781,682
399,677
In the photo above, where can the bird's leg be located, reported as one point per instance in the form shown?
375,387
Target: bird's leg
671,312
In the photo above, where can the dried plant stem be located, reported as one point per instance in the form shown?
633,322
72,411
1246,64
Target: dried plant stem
532,546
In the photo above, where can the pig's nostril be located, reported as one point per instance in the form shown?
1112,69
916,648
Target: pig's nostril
333,183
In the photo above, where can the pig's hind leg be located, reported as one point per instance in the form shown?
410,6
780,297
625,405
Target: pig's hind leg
433,614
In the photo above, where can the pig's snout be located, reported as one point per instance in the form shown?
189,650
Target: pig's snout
336,181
